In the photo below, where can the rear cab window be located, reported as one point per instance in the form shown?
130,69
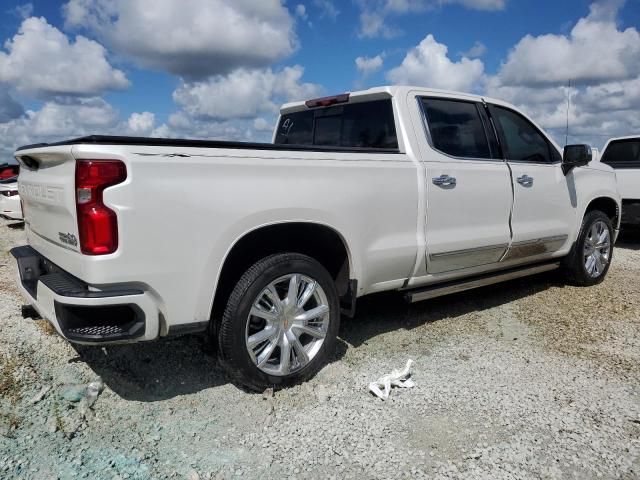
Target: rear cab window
623,153
361,125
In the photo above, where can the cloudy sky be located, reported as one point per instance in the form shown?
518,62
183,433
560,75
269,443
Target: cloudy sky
219,69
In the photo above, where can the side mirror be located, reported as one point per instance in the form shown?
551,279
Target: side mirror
575,156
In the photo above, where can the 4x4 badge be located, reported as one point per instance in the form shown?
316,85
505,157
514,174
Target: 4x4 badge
68,238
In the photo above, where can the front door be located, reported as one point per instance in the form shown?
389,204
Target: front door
544,198
469,192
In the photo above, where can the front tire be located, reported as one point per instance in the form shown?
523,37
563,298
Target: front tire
590,258
280,323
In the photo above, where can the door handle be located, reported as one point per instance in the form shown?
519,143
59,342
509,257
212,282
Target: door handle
525,181
444,181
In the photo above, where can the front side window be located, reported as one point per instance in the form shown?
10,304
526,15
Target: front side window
456,128
623,154
364,125
522,140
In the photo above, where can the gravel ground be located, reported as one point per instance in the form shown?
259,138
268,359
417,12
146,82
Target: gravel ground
531,379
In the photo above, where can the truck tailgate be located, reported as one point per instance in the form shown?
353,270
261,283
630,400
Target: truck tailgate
47,191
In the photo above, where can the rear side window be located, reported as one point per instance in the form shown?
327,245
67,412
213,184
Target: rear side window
623,154
364,125
456,128
522,140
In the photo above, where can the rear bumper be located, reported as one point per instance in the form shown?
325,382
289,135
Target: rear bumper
631,212
83,314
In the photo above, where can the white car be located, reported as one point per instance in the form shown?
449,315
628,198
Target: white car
623,155
10,207
421,191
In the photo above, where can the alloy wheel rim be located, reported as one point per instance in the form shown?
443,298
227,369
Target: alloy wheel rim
597,249
287,324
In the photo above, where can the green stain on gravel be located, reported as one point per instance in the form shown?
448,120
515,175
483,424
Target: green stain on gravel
73,393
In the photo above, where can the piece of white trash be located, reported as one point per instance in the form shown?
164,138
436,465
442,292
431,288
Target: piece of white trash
397,378
93,390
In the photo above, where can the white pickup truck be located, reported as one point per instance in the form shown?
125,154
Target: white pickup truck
623,155
264,245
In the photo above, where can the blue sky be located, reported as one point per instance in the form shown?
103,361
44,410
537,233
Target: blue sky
219,68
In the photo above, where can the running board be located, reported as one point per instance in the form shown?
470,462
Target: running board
440,290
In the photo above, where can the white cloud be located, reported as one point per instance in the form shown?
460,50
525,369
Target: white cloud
73,118
79,117
241,106
373,13
190,38
372,24
596,112
41,60
613,96
428,65
327,9
603,62
9,108
23,11
480,4
59,120
605,10
301,11
182,125
604,101
244,93
368,65
595,51
407,6
262,125
477,50
141,123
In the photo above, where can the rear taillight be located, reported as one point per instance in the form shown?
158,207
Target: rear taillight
97,224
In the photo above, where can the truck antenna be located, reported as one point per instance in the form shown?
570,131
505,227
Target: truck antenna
566,134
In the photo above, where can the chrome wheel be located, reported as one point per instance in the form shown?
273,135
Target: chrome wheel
597,249
287,324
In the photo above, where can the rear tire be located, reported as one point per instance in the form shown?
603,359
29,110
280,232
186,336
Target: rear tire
590,257
280,324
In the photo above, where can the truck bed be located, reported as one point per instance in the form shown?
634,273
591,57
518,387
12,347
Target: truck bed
182,142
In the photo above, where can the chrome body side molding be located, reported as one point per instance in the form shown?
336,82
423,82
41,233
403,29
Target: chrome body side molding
538,246
471,257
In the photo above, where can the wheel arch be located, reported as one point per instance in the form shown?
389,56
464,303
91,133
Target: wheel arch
320,241
608,205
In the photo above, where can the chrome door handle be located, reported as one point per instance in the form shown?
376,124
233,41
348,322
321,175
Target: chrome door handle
525,181
444,181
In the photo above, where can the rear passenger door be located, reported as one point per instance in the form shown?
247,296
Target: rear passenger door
543,197
469,191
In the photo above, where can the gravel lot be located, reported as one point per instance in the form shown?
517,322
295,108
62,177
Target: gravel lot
531,379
